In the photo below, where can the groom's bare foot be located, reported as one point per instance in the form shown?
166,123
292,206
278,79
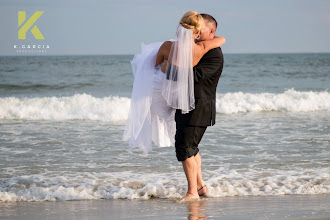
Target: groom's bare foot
202,190
190,197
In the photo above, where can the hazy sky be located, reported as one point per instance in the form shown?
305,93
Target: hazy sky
120,26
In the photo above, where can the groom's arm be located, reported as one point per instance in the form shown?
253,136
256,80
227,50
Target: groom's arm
208,65
211,62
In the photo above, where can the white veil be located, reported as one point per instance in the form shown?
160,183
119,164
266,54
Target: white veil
178,87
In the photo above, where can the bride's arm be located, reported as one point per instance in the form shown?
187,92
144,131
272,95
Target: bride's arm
163,52
203,47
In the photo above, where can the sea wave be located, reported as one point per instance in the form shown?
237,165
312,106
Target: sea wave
78,106
115,109
129,185
44,86
289,101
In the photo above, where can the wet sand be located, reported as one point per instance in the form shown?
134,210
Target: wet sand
234,208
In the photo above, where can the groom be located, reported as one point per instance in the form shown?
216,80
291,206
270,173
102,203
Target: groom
190,127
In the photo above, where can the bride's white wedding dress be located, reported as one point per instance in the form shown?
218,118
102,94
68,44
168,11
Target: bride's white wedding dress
155,98
150,119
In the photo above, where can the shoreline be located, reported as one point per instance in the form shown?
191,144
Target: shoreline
234,208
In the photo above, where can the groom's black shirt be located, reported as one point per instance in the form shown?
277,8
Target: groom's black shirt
206,76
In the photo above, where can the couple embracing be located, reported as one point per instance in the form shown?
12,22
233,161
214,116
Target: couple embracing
174,94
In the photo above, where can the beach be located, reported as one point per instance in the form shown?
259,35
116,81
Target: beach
62,155
233,208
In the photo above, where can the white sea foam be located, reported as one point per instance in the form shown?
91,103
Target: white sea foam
115,109
128,185
289,101
78,106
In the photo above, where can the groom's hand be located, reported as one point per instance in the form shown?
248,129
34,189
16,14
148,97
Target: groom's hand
164,64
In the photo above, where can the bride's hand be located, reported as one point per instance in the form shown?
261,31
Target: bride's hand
164,64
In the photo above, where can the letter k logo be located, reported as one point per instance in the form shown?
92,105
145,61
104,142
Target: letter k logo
25,27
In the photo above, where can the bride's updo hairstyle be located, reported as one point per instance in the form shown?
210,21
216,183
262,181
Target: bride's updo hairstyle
192,20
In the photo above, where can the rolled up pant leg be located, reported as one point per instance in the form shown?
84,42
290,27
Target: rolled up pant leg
187,139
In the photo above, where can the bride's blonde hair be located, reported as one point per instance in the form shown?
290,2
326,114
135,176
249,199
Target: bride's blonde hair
192,20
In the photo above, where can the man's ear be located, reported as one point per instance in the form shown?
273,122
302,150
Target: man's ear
212,33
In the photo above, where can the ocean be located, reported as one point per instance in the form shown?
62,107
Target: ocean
62,120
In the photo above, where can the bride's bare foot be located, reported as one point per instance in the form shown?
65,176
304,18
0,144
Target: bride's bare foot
202,191
190,197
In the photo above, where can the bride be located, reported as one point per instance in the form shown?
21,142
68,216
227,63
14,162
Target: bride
156,95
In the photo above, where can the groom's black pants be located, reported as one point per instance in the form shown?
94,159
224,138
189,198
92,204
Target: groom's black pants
187,139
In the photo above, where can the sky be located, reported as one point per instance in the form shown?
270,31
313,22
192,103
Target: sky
120,26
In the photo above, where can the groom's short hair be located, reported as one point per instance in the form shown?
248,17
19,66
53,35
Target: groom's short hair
211,19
